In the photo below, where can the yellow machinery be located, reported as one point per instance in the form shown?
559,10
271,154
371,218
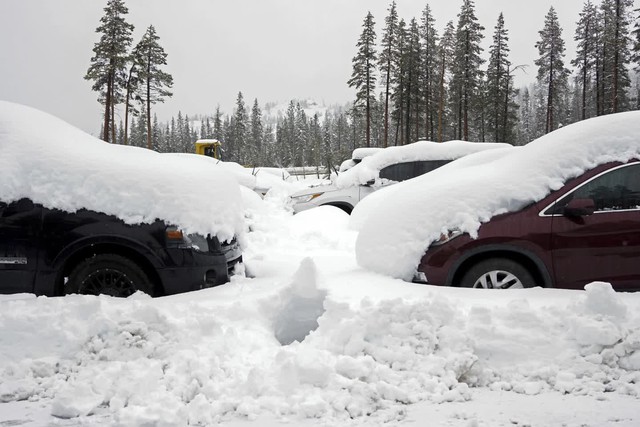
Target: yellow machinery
209,147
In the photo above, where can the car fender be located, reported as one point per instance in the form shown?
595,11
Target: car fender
500,248
101,240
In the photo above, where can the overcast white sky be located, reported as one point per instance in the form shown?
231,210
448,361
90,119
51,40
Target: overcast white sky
272,50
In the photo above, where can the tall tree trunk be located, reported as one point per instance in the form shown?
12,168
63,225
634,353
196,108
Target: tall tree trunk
127,103
441,100
616,60
107,109
113,121
386,101
149,102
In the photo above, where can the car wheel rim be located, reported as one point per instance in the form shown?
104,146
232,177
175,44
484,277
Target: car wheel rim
498,279
108,282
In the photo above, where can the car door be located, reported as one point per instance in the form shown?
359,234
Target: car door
19,227
603,246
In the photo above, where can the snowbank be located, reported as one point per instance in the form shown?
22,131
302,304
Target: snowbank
370,166
416,212
180,361
59,166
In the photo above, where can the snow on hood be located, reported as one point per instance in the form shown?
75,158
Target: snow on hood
416,212
370,166
59,166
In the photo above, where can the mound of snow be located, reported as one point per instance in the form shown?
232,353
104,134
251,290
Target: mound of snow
59,166
415,213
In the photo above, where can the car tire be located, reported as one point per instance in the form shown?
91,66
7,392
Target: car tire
498,273
107,274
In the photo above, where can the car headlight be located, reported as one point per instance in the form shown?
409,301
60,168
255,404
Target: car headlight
447,237
177,239
305,198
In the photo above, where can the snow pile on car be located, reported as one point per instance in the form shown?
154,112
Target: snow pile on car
59,166
396,233
369,168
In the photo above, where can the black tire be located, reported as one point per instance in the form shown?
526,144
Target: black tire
498,273
107,274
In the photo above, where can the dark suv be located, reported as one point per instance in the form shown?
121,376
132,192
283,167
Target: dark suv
587,231
51,252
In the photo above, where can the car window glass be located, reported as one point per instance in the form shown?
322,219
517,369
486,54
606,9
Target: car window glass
398,172
615,190
408,170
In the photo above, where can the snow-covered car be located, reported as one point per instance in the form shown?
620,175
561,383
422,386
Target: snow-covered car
357,156
562,211
382,168
79,215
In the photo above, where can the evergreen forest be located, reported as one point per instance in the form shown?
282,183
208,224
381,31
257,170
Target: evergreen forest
413,79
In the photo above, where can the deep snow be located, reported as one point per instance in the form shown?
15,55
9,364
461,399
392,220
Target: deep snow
378,350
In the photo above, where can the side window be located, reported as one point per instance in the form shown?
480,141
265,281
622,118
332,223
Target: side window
403,171
428,166
398,172
613,191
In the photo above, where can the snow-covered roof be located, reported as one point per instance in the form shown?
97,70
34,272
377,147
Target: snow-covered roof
416,212
370,166
362,152
59,166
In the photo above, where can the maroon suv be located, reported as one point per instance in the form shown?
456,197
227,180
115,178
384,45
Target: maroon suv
587,231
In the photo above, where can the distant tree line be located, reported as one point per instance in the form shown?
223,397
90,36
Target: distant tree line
250,137
416,83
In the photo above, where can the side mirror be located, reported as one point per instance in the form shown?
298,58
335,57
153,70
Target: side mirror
370,182
579,207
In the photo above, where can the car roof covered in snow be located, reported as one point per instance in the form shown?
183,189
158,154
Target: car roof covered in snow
59,166
370,166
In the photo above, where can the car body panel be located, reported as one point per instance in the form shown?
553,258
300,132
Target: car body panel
559,250
54,242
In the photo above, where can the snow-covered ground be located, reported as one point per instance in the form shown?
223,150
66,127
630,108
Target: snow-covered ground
308,337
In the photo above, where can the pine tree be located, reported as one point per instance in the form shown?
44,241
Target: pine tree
301,137
387,60
446,53
240,129
500,114
429,78
398,86
467,74
217,125
413,90
363,76
552,73
108,64
587,51
256,154
617,56
150,57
